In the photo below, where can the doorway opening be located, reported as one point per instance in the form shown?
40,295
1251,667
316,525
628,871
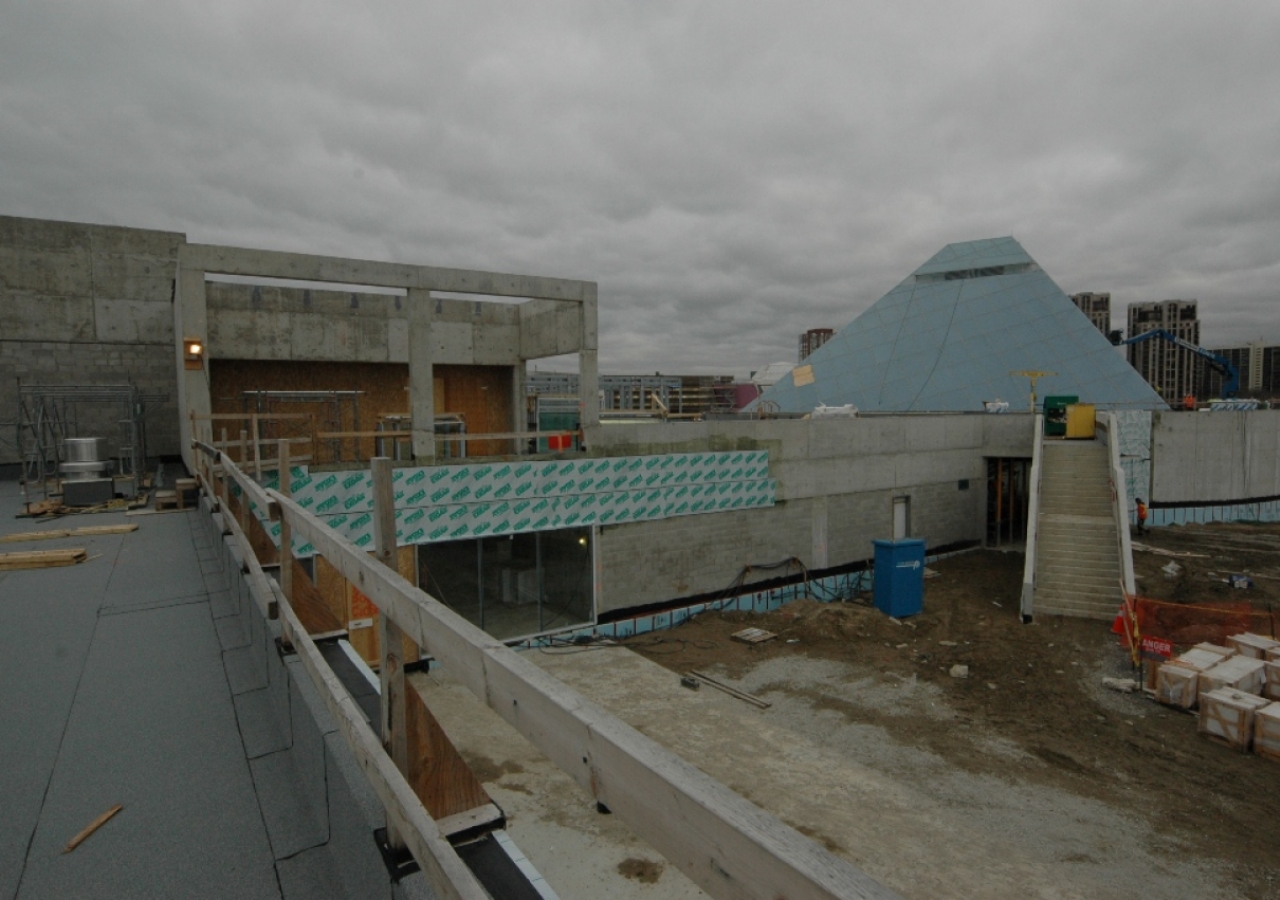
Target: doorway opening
1008,497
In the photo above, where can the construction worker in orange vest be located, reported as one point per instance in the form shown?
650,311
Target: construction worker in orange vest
1142,515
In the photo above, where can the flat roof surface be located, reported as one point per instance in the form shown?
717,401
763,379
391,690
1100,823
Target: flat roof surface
115,693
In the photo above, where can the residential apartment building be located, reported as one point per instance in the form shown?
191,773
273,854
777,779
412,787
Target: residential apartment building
1097,307
813,339
1173,371
1259,368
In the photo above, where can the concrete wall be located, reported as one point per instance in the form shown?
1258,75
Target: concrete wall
1215,456
87,304
282,323
837,480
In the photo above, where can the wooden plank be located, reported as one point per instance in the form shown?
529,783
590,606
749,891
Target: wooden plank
265,417
444,871
725,844
731,691
87,531
310,606
285,550
440,776
91,828
42,559
326,435
487,817
395,738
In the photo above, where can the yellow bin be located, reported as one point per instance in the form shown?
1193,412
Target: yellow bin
1080,421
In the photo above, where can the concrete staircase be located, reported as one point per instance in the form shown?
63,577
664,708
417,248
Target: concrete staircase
1077,551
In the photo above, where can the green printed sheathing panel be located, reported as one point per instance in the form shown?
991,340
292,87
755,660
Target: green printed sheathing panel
444,503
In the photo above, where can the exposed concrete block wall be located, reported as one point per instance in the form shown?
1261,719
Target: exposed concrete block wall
87,304
837,480
1215,456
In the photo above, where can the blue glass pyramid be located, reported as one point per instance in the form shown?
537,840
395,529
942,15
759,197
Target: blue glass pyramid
948,336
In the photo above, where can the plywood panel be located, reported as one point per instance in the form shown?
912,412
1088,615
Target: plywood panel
310,606
482,395
364,626
333,589
440,777
384,385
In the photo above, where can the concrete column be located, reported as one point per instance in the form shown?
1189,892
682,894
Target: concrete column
190,322
519,405
588,361
422,403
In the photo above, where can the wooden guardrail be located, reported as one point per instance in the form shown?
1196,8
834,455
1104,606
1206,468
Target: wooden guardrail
724,843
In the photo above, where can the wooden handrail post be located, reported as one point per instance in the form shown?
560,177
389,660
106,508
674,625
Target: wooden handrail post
286,535
224,489
394,731
257,447
244,495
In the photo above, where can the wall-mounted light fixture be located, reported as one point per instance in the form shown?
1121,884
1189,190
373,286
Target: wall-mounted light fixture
193,353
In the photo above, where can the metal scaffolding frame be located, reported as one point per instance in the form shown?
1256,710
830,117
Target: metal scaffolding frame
48,414
335,404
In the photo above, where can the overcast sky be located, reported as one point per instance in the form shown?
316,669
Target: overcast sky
730,173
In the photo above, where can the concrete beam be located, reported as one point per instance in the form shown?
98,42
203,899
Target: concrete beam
307,267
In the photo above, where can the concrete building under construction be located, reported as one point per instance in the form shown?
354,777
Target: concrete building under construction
277,378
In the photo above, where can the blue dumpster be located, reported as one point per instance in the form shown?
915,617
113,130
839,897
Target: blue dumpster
898,583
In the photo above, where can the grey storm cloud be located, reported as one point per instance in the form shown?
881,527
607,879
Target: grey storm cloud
730,173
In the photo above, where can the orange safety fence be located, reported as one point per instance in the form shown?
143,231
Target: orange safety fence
1187,624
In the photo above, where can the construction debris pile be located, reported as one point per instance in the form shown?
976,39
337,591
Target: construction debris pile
1235,688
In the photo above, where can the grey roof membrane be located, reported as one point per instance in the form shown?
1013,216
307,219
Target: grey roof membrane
947,338
115,692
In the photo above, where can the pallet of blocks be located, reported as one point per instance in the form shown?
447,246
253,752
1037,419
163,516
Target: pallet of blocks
1266,731
1271,679
1177,681
1229,715
1254,646
1240,673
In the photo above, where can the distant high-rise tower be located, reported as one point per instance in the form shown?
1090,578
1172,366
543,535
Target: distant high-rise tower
813,339
1097,307
1172,370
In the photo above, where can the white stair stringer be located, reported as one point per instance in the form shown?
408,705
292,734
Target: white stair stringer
1077,569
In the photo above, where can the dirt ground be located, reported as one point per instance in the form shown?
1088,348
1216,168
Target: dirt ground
1036,687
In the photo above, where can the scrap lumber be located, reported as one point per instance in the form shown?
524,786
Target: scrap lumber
87,531
731,691
91,828
42,559
753,636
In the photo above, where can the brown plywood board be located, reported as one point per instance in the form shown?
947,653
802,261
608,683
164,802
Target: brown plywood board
363,626
482,396
310,606
385,387
440,777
